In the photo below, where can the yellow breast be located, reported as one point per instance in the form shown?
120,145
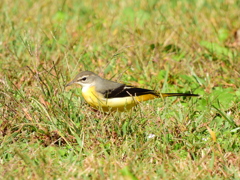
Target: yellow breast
97,100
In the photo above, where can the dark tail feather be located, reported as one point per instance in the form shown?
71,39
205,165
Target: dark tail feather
176,94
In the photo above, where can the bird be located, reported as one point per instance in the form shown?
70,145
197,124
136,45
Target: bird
107,95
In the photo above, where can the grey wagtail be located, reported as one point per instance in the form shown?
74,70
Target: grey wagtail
112,96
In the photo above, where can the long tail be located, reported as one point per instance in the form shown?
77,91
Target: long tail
153,95
176,94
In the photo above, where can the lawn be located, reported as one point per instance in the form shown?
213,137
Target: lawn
48,131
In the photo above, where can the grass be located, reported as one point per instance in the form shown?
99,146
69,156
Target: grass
48,132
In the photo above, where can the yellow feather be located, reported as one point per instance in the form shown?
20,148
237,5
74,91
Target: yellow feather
97,100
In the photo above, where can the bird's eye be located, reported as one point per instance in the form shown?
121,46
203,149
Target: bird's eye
83,79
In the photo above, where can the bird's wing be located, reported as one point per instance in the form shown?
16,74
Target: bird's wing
126,91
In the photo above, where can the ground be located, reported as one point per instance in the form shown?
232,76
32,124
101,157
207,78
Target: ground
47,131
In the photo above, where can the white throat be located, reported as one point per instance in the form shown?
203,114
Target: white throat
85,87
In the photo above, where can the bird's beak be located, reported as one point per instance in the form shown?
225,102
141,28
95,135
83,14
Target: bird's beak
70,83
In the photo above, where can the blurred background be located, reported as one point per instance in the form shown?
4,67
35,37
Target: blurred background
170,46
